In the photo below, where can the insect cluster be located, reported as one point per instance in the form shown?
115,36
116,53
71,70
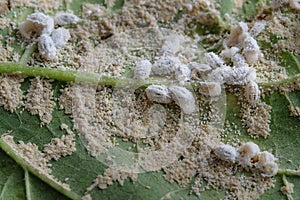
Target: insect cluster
240,48
180,95
40,27
249,155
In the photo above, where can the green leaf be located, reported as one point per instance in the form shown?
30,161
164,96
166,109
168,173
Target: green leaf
12,185
22,181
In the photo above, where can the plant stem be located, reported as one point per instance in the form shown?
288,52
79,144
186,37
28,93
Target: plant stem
94,78
74,76
288,172
28,167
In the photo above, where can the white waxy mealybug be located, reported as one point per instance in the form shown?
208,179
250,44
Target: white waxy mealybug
183,73
229,53
35,25
239,61
158,93
220,74
213,60
183,98
64,18
142,70
46,46
240,76
269,169
226,153
246,152
212,89
199,71
252,92
251,50
60,37
165,66
264,157
237,35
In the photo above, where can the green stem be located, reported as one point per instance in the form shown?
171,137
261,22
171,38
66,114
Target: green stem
28,167
288,172
94,78
27,185
74,76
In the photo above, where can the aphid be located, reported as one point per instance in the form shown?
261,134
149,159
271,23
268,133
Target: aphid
239,61
240,76
226,153
199,71
35,25
251,50
64,18
183,73
60,36
158,93
213,60
46,46
142,69
246,152
165,66
212,89
252,92
183,98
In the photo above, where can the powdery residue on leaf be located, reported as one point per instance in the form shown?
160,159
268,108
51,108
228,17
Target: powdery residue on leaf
45,5
39,99
11,95
112,174
257,119
60,147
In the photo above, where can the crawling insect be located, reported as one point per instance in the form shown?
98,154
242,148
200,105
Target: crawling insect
165,66
183,98
158,93
212,89
183,73
199,71
252,92
60,36
35,25
64,18
142,69
226,153
213,60
246,152
251,50
46,46
239,76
